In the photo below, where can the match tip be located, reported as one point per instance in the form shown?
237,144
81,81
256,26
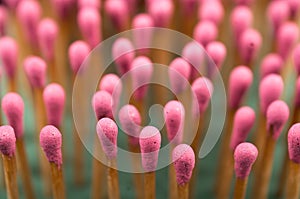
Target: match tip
241,19
9,55
51,141
277,115
240,80
294,143
35,69
118,11
112,84
161,12
202,89
217,51
272,63
212,11
107,132
89,3
183,158
179,75
296,58
205,32
277,12
249,44
142,21
7,140
174,114
78,52
102,104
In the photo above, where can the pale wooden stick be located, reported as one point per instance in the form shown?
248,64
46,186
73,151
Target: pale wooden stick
98,172
149,184
12,84
137,177
183,191
172,179
78,159
293,181
58,186
240,188
112,181
10,173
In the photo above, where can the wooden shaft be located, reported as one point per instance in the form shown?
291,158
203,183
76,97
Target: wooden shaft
259,141
149,184
10,173
78,159
240,188
58,185
225,177
112,181
172,179
137,177
183,191
25,171
54,75
293,180
12,84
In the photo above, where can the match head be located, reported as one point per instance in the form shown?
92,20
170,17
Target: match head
13,108
244,2
35,69
118,12
270,89
240,80
161,12
188,6
297,93
89,3
272,63
12,4
51,141
205,32
203,90
3,20
54,99
217,52
174,115
102,104
294,143
78,52
150,141
47,33
123,54
9,55
296,59
7,140
130,120
277,13
244,120
179,75
141,73
62,8
107,132
212,11
294,7
277,116
183,158
245,155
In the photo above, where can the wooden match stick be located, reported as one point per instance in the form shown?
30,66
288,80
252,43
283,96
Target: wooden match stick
51,142
188,16
8,148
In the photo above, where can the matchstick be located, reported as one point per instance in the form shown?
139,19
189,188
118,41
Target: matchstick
294,7
8,148
3,20
217,52
205,37
51,142
188,16
272,63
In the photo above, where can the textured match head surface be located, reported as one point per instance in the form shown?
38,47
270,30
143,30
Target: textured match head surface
102,104
141,73
47,35
89,23
9,55
35,69
107,132
183,158
89,3
205,32
150,140
130,120
277,116
239,82
294,143
77,52
270,89
54,99
3,20
212,11
203,90
179,75
118,12
296,58
217,51
297,93
245,155
51,141
13,108
244,120
272,63
278,13
7,140
161,12
123,54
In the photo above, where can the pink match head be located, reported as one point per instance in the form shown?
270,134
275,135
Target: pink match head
123,54
244,120
212,11
130,120
272,63
89,3
296,59
54,99
35,69
270,89
12,4
244,2
277,115
288,35
297,93
150,141
161,12
183,158
47,33
217,52
62,7
89,23
239,82
294,7
278,13
102,104
13,108
141,73
107,132
188,6
245,155
3,20
174,115
202,89
205,32
7,140
51,141
118,12
294,143
9,55
179,75
78,51
249,44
